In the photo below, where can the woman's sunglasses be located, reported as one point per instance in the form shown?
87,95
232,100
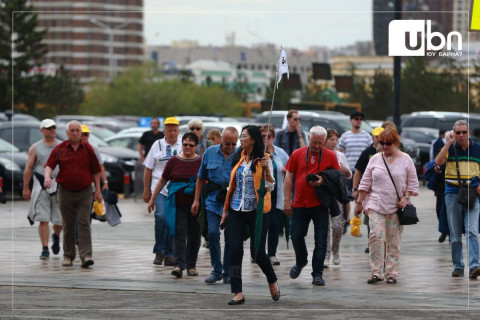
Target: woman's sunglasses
386,143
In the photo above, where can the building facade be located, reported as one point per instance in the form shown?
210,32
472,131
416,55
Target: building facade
94,39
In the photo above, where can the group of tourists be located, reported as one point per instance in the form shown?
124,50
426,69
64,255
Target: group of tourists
199,186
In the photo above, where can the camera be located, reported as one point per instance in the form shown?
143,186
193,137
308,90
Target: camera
311,178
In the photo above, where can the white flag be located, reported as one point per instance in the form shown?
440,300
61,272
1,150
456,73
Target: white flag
282,66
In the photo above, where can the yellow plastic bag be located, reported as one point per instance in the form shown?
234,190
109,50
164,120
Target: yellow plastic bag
99,208
356,223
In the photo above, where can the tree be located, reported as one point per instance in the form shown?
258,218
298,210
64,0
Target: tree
60,94
17,26
380,104
282,95
144,91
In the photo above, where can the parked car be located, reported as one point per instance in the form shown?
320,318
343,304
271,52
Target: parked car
327,119
127,140
18,117
423,137
12,165
118,161
439,119
216,125
101,132
185,119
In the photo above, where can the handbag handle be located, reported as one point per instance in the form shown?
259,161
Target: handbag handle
388,170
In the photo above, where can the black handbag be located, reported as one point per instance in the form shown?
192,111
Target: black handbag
408,214
467,195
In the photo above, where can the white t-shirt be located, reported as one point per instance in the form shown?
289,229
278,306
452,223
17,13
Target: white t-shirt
157,158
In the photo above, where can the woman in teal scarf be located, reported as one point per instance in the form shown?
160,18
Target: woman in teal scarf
181,170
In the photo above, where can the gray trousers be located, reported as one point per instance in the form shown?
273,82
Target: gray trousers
76,204
186,242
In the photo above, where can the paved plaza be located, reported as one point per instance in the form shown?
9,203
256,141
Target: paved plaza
124,284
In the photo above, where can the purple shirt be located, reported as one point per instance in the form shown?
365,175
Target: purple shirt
381,196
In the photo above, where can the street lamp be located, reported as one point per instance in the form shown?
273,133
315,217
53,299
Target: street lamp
112,70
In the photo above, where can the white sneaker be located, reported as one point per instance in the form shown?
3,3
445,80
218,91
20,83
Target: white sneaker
67,262
336,258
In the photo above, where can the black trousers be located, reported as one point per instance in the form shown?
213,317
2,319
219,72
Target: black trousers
237,221
186,242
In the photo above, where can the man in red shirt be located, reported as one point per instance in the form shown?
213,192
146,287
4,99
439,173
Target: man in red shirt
304,165
78,167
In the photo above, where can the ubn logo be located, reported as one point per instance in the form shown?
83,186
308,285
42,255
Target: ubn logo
409,38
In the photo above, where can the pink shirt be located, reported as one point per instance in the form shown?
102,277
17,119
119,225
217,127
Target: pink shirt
381,196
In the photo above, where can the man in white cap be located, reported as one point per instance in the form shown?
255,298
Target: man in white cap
161,150
43,206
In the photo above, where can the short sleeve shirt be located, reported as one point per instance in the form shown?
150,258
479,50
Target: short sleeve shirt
305,195
353,144
158,156
148,138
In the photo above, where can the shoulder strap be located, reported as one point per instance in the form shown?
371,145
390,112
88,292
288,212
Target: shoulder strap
456,165
159,145
388,170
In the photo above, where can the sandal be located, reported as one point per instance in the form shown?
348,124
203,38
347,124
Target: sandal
192,272
391,280
374,279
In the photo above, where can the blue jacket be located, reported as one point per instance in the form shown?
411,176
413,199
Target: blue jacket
170,207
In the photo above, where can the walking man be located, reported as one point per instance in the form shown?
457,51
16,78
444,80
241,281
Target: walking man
149,137
291,138
304,165
43,206
462,150
215,168
78,168
161,150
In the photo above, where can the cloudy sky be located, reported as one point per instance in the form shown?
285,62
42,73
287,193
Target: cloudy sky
293,23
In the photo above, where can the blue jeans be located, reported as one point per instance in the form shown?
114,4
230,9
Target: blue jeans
213,220
300,220
163,239
458,219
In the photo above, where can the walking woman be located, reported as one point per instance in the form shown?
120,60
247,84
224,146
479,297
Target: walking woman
181,170
336,223
378,199
250,165
276,219
196,126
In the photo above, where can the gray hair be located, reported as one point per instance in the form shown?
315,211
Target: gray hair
72,123
231,129
317,130
460,123
195,122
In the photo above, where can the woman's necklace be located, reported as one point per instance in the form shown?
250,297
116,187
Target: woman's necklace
389,157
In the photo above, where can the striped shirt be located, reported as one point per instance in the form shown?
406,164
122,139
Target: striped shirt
468,163
353,145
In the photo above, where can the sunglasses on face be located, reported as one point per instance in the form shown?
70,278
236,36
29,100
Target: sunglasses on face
51,128
296,119
386,143
85,134
195,129
460,132
190,145
264,136
357,119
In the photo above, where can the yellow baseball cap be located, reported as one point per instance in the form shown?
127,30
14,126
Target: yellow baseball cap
85,128
171,120
376,132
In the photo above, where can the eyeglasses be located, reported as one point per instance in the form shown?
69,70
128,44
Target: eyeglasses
51,128
226,144
264,136
296,119
243,137
190,145
386,143
85,134
358,118
460,132
195,129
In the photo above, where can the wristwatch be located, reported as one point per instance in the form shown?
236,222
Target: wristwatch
407,196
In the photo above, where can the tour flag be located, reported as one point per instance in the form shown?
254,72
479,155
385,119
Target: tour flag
282,66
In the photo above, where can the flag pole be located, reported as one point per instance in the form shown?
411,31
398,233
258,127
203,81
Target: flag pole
271,111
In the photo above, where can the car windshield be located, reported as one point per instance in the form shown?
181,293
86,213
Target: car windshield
7,147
